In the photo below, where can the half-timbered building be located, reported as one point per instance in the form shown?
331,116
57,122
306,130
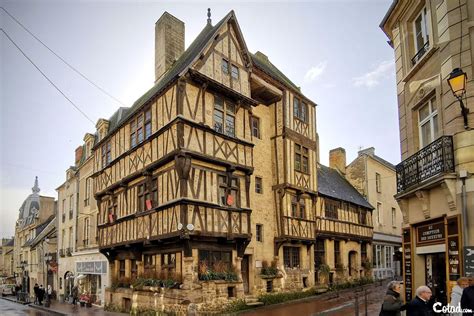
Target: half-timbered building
211,173
344,227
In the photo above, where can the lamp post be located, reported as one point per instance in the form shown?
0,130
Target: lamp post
47,259
457,82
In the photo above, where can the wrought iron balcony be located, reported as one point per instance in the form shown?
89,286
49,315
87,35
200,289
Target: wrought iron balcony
420,53
434,159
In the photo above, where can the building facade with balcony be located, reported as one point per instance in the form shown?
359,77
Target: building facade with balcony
34,215
210,177
435,186
375,179
344,228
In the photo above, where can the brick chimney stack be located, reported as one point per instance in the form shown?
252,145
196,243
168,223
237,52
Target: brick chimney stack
169,43
78,155
337,160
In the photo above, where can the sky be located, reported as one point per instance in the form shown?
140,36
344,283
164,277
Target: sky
334,50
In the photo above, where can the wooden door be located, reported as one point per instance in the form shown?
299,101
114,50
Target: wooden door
245,273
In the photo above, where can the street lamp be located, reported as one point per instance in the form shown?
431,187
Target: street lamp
457,82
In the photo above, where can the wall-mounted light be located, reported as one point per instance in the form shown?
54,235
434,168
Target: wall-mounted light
457,82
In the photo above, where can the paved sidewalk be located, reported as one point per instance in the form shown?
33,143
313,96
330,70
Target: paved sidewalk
13,299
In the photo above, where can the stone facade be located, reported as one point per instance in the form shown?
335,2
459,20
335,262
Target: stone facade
434,201
375,179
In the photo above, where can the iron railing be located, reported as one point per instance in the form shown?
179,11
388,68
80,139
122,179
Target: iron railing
434,159
420,53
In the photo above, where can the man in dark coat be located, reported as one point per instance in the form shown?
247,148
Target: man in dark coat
36,291
467,298
40,294
420,305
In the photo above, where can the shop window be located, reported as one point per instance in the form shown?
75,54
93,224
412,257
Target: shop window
122,268
291,257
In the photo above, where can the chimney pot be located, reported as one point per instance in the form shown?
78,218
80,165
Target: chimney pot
337,160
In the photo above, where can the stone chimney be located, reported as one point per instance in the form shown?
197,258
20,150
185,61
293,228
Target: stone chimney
337,160
169,43
368,151
78,155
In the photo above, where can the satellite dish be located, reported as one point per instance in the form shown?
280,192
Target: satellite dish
190,227
180,226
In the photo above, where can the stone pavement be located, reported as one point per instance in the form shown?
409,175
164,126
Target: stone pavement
57,308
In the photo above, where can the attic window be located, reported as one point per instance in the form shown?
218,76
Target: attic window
235,72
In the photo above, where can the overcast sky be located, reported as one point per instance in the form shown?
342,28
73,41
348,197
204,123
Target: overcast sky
334,50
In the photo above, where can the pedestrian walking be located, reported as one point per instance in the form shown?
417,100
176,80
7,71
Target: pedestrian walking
456,293
392,304
36,291
467,298
49,292
420,305
75,294
40,294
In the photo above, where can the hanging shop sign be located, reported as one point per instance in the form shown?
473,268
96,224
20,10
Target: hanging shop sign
407,262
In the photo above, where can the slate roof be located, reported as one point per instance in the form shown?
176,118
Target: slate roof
38,230
332,184
264,64
11,243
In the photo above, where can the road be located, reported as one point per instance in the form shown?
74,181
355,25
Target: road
8,308
343,305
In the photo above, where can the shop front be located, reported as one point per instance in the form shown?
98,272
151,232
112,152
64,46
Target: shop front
90,280
431,257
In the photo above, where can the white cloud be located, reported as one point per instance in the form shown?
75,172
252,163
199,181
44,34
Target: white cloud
314,72
372,78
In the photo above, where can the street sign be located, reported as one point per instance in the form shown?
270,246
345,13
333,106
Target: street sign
469,261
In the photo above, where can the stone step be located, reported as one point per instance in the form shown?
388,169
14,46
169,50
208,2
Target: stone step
255,304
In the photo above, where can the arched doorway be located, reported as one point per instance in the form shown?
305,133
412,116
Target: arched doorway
68,284
353,263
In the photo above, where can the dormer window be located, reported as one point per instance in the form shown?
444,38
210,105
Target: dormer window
420,35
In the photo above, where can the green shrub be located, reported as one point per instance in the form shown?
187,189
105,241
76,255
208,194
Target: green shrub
235,306
275,298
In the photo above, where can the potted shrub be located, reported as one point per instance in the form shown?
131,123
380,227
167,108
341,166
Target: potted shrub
324,270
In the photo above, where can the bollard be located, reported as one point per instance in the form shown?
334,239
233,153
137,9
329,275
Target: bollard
356,305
